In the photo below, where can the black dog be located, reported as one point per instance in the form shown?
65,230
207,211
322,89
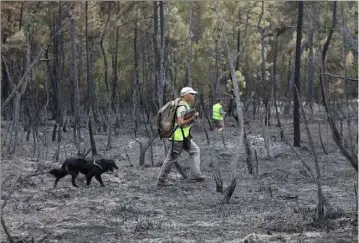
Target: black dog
88,167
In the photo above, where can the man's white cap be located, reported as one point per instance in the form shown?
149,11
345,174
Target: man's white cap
187,90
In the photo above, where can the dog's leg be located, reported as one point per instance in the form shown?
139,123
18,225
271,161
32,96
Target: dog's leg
88,178
56,181
99,179
73,179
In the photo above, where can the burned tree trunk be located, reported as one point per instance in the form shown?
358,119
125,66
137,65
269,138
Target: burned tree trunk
58,70
248,153
231,60
135,83
17,101
89,86
55,81
5,83
345,84
107,116
145,148
162,78
274,70
218,179
238,40
322,202
296,118
310,62
352,157
216,78
266,94
188,81
57,75
156,49
76,105
114,62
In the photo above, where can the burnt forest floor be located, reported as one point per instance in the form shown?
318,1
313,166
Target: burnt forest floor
276,205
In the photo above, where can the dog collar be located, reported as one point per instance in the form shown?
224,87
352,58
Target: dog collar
94,162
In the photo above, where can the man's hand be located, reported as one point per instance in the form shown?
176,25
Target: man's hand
182,122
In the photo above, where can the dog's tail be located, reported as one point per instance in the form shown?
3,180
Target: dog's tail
58,173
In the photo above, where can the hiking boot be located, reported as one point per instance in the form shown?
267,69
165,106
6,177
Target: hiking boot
198,178
164,183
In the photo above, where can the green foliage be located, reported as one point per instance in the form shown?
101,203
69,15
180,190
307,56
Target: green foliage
209,59
241,83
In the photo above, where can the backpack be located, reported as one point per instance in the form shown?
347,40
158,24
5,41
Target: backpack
166,118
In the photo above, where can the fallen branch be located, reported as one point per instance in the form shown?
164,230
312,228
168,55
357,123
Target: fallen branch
144,148
321,198
229,191
300,157
216,175
7,233
340,77
43,238
218,180
12,189
128,157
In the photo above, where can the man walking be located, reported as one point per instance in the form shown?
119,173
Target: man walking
218,115
181,139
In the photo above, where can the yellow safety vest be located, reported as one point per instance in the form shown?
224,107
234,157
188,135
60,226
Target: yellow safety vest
177,135
217,112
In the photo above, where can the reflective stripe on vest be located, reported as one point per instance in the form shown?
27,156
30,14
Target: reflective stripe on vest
217,112
177,136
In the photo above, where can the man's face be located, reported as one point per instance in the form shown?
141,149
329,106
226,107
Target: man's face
189,98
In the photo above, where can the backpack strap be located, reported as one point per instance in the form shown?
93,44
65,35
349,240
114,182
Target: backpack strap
183,133
181,127
175,128
174,120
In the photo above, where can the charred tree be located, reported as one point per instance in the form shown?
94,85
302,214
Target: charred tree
231,61
274,70
161,88
89,85
18,97
156,50
188,81
266,94
352,157
296,118
76,104
310,85
109,101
